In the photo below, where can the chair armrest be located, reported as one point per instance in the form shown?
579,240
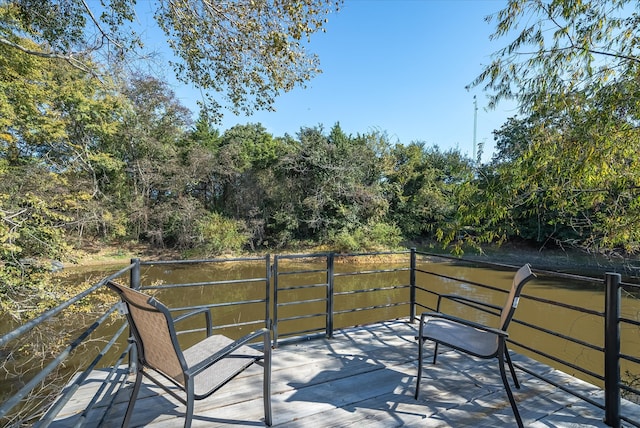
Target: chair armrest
207,316
470,302
462,321
214,358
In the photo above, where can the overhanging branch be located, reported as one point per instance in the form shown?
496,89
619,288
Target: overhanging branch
50,55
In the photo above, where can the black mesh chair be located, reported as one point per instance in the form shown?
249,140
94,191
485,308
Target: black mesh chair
198,371
473,338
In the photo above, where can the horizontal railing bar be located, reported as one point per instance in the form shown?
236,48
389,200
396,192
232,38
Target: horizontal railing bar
200,261
462,281
299,302
370,290
428,272
200,284
526,296
220,327
367,272
475,305
574,277
29,325
560,335
631,421
301,256
301,317
367,308
425,307
630,285
558,360
238,324
373,253
193,330
299,333
426,290
216,305
562,305
629,389
629,321
468,262
418,270
302,287
301,272
538,271
630,358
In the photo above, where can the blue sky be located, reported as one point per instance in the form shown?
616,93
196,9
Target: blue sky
396,66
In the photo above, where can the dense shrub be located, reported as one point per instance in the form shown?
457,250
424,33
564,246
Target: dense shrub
218,235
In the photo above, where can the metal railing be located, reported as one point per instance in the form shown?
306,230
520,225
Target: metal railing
261,286
308,295
326,289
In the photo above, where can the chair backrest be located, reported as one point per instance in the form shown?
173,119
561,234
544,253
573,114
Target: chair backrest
522,276
152,327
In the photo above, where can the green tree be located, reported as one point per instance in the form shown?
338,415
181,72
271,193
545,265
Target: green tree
573,68
251,154
53,123
512,140
241,54
199,154
148,142
560,48
421,187
570,179
329,185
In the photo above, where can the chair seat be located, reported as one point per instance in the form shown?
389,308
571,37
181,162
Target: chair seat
459,336
224,370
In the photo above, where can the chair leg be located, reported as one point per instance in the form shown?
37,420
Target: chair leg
435,352
266,389
189,411
511,369
132,399
419,377
503,375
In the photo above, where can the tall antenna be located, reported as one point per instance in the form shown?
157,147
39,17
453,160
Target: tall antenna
475,126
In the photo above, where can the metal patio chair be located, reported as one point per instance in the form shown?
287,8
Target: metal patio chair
474,338
198,371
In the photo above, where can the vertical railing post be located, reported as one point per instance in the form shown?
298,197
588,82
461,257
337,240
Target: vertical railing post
412,289
134,282
267,310
612,350
134,274
329,331
275,300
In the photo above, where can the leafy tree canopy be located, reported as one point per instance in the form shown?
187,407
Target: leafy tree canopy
240,54
566,173
560,47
